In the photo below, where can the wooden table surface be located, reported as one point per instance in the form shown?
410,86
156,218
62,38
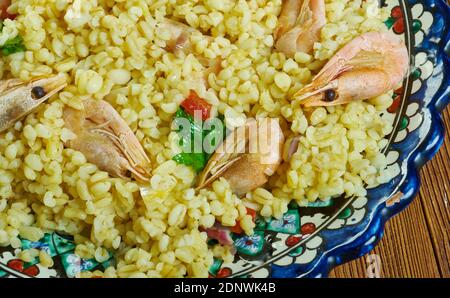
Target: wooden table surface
416,242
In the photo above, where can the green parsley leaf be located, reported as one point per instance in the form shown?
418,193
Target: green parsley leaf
197,134
14,45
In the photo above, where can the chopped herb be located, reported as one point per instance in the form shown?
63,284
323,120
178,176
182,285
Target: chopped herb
196,126
194,138
196,160
14,45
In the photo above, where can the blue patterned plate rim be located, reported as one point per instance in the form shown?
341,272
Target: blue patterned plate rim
437,43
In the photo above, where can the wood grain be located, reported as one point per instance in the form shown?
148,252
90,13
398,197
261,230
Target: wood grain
417,241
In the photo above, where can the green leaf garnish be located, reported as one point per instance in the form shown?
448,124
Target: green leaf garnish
194,139
14,45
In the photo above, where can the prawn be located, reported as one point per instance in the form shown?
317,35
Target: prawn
19,98
180,36
180,42
368,66
106,140
299,26
247,157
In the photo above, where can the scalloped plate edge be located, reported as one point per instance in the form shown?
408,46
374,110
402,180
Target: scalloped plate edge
371,236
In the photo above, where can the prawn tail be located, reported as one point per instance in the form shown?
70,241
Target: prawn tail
298,34
288,17
299,39
278,32
305,12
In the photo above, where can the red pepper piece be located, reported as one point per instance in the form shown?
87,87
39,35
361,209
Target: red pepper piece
195,103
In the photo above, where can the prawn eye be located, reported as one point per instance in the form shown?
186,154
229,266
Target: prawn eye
38,91
330,95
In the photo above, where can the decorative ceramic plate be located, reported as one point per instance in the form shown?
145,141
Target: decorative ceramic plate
309,242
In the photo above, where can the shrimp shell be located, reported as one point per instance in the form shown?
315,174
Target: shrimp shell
299,26
180,36
368,66
17,99
243,166
106,140
180,41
